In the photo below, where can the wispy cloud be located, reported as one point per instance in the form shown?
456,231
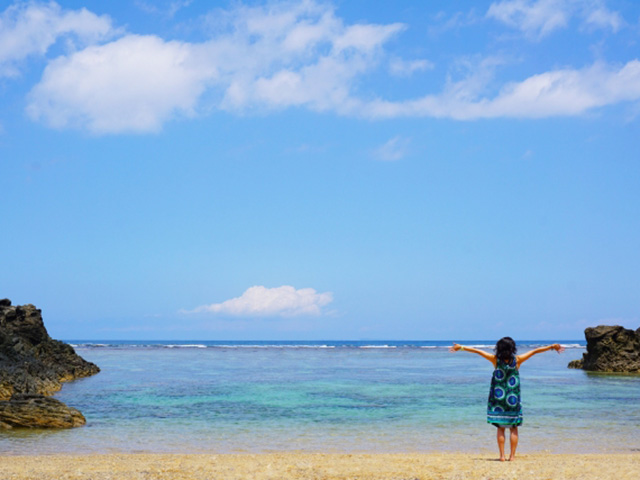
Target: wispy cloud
394,149
167,8
444,23
556,93
539,18
260,301
527,155
601,17
284,55
405,68
29,29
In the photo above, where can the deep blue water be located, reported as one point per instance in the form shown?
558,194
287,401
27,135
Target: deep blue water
329,396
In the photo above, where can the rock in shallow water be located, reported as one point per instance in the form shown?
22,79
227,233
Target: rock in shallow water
38,411
33,365
610,349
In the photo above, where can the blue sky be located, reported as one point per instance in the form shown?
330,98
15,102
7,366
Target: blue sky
321,170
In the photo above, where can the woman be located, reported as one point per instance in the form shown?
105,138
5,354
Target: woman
504,408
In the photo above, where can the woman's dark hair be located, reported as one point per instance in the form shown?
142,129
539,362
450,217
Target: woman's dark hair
506,349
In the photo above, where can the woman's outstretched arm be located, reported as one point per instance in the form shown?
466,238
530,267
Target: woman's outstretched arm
526,356
482,353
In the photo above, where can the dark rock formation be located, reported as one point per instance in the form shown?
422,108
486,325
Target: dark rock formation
38,411
32,366
610,349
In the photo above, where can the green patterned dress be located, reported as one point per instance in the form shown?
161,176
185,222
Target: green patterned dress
504,409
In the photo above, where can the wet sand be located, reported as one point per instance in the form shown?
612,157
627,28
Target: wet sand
310,466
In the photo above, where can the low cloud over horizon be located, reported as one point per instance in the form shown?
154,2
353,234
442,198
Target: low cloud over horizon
260,301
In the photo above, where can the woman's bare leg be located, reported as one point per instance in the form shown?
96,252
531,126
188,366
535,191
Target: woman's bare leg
513,439
500,438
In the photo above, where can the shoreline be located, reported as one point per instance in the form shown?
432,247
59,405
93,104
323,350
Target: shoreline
320,466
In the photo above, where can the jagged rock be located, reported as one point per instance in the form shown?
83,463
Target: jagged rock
35,365
38,411
610,349
577,364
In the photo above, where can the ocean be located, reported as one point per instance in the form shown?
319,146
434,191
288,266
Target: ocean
382,396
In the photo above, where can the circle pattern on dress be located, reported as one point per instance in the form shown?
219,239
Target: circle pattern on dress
504,395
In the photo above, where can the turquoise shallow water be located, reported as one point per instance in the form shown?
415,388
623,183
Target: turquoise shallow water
328,396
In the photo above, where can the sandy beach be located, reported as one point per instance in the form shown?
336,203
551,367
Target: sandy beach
318,466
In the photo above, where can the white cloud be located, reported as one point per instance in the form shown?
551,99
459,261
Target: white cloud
259,301
364,38
132,84
535,18
568,92
276,56
301,55
295,55
28,29
556,93
392,150
538,18
604,18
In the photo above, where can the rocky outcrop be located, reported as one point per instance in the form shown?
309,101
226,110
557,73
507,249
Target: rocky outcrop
610,349
33,411
33,366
